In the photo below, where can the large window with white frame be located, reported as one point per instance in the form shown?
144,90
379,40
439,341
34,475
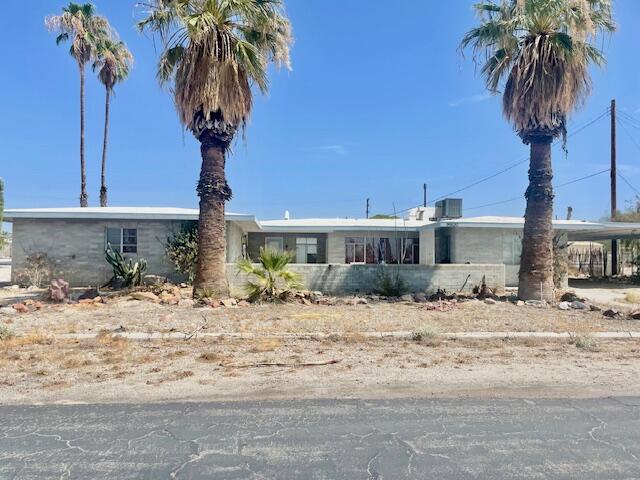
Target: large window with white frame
306,250
123,240
375,250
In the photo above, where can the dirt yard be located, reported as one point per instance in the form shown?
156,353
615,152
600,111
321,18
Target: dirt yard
36,366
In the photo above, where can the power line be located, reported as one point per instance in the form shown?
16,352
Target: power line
520,197
629,184
633,140
511,167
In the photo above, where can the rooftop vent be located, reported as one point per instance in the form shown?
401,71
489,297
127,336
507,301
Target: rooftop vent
449,208
287,215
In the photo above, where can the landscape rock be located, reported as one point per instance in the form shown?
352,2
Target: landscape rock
89,294
229,302
169,298
20,308
536,303
151,280
520,303
186,302
578,305
490,301
145,297
59,290
570,297
420,297
635,315
611,313
564,306
244,303
595,308
406,298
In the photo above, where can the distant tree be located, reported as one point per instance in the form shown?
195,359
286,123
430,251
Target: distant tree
214,51
80,25
542,50
113,62
382,216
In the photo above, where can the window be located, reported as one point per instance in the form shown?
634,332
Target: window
354,250
123,240
306,250
375,250
274,243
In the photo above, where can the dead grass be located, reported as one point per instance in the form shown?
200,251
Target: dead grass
266,345
632,297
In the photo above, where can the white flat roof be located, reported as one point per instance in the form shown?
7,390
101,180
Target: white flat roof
318,225
515,222
117,213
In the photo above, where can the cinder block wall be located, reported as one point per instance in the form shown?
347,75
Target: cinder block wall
349,279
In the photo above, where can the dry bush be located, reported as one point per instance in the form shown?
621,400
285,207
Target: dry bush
587,343
117,342
632,297
212,357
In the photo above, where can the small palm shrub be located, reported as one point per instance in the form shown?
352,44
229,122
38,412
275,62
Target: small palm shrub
129,271
182,250
269,279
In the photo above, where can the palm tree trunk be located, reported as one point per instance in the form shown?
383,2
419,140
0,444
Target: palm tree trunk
211,279
103,180
536,262
83,173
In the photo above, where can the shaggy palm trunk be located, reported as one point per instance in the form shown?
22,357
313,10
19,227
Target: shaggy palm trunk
211,278
536,262
84,198
103,179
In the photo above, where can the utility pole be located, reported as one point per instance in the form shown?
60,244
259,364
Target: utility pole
424,195
367,208
614,194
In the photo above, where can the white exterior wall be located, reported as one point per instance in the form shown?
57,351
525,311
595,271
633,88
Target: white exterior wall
76,247
488,245
234,237
427,247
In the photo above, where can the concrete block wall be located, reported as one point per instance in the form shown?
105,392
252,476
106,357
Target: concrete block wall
76,247
350,279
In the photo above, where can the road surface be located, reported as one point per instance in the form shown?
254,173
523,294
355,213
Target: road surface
395,439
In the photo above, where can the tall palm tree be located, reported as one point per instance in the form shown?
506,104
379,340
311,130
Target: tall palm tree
79,24
113,63
214,51
542,50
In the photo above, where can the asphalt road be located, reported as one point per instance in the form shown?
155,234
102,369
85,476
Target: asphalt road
394,439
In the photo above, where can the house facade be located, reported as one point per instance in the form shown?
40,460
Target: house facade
339,255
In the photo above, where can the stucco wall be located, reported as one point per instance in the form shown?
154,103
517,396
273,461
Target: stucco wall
345,279
76,247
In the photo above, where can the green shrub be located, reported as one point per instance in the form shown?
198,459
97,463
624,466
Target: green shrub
390,284
586,342
182,250
131,272
270,278
5,333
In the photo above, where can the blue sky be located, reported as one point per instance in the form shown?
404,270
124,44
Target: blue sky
378,102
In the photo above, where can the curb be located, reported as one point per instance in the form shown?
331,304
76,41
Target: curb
401,335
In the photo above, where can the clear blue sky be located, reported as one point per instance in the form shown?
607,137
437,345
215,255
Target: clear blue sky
378,102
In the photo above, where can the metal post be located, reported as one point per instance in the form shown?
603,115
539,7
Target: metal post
424,194
367,213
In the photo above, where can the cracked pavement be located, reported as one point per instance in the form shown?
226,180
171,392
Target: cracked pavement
325,439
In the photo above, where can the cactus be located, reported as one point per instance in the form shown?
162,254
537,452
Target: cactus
131,272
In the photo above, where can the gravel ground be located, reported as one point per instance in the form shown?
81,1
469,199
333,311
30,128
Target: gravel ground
381,317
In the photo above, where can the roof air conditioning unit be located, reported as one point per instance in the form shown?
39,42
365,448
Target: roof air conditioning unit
449,208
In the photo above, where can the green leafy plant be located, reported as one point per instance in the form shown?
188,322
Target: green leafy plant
271,279
390,284
131,272
182,250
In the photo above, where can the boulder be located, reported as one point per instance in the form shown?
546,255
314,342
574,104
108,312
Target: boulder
520,303
145,297
151,280
490,301
169,298
420,297
564,306
578,305
58,290
536,303
186,302
570,297
635,315
406,298
611,313
89,294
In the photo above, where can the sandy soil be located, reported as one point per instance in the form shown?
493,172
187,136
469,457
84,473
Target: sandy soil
37,369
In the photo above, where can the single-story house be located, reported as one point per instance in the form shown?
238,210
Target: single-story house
339,255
